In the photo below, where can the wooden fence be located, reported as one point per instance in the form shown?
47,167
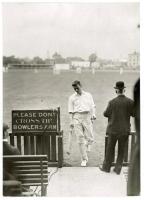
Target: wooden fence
49,142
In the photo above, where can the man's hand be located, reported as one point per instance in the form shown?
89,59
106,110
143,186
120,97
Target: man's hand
71,125
93,117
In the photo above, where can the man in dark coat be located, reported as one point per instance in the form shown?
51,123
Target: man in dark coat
133,183
8,150
118,112
8,172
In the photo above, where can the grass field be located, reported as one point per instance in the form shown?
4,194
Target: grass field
25,89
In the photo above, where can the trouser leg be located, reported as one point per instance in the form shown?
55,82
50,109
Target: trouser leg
88,130
83,151
112,139
80,139
122,140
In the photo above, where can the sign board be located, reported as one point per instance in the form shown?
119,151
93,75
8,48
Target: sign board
35,120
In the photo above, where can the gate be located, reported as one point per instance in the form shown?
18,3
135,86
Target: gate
37,132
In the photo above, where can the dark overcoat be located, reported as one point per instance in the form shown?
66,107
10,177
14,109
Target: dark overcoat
8,173
118,112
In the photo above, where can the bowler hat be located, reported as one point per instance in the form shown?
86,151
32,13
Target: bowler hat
119,85
5,127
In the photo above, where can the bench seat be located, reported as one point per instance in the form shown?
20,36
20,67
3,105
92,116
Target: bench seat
30,170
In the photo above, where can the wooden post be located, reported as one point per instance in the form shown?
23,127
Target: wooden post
126,151
32,144
59,127
25,145
19,143
48,150
132,143
53,147
42,185
12,139
38,145
60,150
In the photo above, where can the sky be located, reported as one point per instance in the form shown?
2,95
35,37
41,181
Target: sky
71,29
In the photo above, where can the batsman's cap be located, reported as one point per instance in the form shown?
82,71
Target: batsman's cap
76,82
119,85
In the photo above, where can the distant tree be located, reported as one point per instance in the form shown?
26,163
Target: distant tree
58,58
26,60
49,61
37,60
75,58
10,60
92,58
5,61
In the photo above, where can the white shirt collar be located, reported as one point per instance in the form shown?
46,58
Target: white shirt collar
81,93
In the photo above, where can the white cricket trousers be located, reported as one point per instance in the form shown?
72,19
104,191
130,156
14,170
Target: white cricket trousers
84,131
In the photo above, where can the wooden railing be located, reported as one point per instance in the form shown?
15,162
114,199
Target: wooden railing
30,170
50,144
